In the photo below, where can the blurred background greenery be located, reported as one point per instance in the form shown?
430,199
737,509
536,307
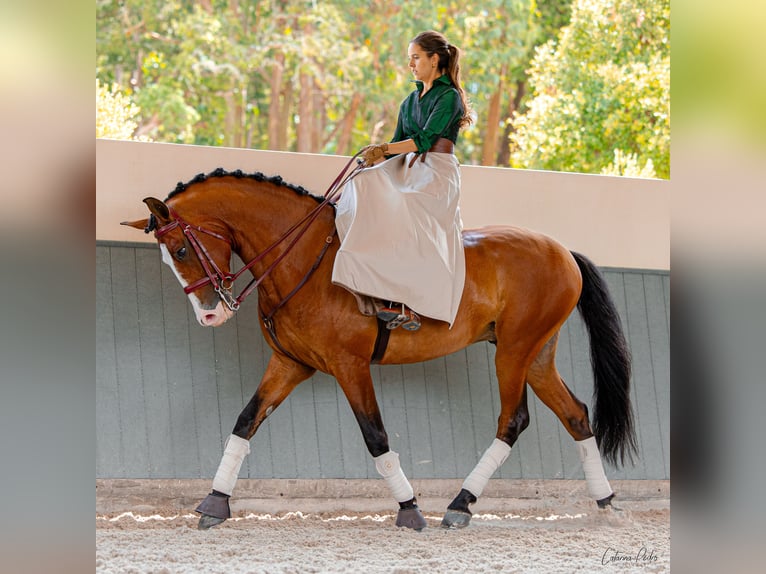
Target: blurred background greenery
567,85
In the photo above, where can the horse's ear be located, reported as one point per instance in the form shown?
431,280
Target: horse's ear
138,224
158,208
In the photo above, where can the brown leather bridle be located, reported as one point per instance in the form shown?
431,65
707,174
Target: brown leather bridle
223,281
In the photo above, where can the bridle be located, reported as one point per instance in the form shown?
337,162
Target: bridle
223,281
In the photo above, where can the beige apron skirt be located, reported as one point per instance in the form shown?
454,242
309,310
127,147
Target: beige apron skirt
400,231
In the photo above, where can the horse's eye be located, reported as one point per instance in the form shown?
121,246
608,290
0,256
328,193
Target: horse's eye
181,253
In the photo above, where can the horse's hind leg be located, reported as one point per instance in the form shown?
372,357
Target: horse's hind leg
357,386
573,414
281,377
513,419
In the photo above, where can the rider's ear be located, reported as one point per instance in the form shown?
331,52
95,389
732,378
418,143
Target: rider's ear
158,208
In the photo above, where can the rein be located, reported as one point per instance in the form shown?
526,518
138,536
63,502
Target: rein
222,281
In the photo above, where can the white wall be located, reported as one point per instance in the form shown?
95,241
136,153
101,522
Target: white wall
617,222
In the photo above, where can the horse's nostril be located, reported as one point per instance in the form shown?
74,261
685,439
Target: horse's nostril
209,318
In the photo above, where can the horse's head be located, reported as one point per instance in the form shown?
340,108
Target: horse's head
199,255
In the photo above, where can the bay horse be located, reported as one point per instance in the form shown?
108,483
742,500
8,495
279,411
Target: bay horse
520,287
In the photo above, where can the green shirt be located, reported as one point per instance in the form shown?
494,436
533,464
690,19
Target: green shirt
434,115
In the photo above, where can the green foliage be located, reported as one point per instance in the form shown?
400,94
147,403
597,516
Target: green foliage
601,92
628,165
272,73
116,114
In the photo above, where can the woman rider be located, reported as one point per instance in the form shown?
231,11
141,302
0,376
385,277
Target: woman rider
399,220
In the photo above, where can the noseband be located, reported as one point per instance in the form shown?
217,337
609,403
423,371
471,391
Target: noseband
220,280
223,281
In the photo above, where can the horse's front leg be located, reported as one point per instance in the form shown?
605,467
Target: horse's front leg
281,377
357,386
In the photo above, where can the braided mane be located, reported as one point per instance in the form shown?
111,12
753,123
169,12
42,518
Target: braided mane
239,174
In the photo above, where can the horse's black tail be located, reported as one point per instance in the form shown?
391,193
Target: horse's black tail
610,359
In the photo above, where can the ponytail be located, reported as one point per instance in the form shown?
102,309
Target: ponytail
449,63
453,70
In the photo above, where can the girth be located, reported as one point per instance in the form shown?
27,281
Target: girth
381,342
441,145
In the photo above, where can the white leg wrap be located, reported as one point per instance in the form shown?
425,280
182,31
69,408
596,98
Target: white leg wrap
228,471
493,458
598,485
389,468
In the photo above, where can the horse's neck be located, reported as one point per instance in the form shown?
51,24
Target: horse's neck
264,224
261,222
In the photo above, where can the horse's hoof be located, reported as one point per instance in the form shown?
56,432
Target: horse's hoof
456,519
411,518
206,522
605,502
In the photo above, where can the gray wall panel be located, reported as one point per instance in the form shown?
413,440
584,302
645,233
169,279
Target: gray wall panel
154,366
659,345
108,422
182,411
442,445
131,408
305,429
326,398
421,455
169,391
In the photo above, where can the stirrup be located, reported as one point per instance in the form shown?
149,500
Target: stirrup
397,321
413,324
387,314
407,319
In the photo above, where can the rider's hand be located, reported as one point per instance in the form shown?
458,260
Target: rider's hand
372,154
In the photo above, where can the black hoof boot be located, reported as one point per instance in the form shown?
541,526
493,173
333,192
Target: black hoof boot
214,510
605,502
458,515
410,516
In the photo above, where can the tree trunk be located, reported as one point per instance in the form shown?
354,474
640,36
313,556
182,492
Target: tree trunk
284,115
239,116
275,116
489,150
305,111
347,128
490,135
504,153
230,122
319,119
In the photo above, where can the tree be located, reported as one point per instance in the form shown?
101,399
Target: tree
496,38
601,92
